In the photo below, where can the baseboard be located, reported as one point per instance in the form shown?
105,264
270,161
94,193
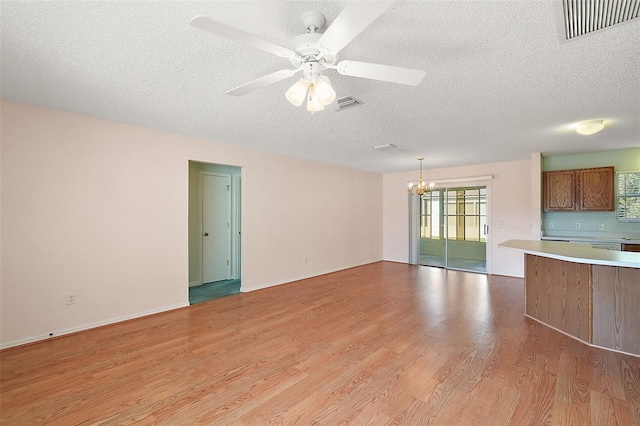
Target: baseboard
243,289
195,283
85,327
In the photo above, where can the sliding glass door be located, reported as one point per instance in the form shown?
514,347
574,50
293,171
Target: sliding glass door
453,228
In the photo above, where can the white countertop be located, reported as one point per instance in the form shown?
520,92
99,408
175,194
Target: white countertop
591,239
575,252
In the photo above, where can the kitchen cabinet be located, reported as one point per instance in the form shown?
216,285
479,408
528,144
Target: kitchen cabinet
559,190
581,189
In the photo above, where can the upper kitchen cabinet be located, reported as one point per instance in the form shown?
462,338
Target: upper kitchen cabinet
595,189
582,189
559,190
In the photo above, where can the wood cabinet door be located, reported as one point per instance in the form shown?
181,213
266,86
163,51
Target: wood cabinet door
559,190
596,189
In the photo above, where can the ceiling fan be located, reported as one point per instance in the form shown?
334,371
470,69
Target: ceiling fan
314,52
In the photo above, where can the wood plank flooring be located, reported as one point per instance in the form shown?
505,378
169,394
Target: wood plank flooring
381,344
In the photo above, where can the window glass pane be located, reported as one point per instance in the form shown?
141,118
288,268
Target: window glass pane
424,227
472,230
435,218
633,183
452,228
622,183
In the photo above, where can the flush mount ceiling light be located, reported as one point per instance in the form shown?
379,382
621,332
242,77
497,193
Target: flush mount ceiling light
589,127
421,188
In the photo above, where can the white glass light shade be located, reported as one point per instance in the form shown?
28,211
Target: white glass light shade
297,92
324,91
590,127
312,101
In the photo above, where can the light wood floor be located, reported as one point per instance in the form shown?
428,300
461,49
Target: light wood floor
380,344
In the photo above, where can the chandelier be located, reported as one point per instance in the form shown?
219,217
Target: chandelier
421,188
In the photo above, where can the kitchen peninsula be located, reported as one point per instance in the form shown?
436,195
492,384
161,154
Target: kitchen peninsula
588,293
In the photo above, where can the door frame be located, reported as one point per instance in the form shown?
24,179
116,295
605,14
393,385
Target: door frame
414,214
236,225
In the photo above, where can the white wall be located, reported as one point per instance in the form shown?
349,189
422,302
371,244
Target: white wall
511,205
100,209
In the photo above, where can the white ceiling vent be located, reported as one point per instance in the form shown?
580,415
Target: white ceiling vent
585,16
384,147
347,102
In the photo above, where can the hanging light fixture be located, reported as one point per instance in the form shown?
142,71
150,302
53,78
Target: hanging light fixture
314,86
297,92
421,188
313,101
324,91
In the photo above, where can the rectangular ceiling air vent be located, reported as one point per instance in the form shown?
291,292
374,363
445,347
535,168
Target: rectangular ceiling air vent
384,147
347,102
585,16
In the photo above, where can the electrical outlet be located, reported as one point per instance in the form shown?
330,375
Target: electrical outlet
304,259
71,298
602,226
578,225
499,224
550,225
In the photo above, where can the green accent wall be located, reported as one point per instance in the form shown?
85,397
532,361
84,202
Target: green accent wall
622,160
590,222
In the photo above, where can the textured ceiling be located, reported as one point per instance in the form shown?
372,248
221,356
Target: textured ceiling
499,85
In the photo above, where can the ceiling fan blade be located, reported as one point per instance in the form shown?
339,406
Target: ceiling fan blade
261,82
355,17
215,27
388,73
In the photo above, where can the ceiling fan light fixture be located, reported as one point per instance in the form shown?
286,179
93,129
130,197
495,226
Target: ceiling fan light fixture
589,127
323,90
313,104
297,93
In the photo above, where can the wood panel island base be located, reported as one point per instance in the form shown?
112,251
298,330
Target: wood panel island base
590,294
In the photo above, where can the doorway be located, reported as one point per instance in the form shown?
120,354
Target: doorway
453,228
448,227
214,231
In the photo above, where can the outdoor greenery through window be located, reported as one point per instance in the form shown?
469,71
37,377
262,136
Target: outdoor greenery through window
464,210
629,196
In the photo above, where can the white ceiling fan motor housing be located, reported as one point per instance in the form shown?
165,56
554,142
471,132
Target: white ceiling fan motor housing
306,45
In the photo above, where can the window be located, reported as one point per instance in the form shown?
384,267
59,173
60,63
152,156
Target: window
628,203
463,210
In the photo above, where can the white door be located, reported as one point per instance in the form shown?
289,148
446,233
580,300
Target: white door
216,227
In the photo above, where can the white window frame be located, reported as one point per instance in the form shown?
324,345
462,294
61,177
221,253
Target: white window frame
620,214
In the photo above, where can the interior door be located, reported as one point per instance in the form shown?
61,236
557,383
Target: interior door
216,231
